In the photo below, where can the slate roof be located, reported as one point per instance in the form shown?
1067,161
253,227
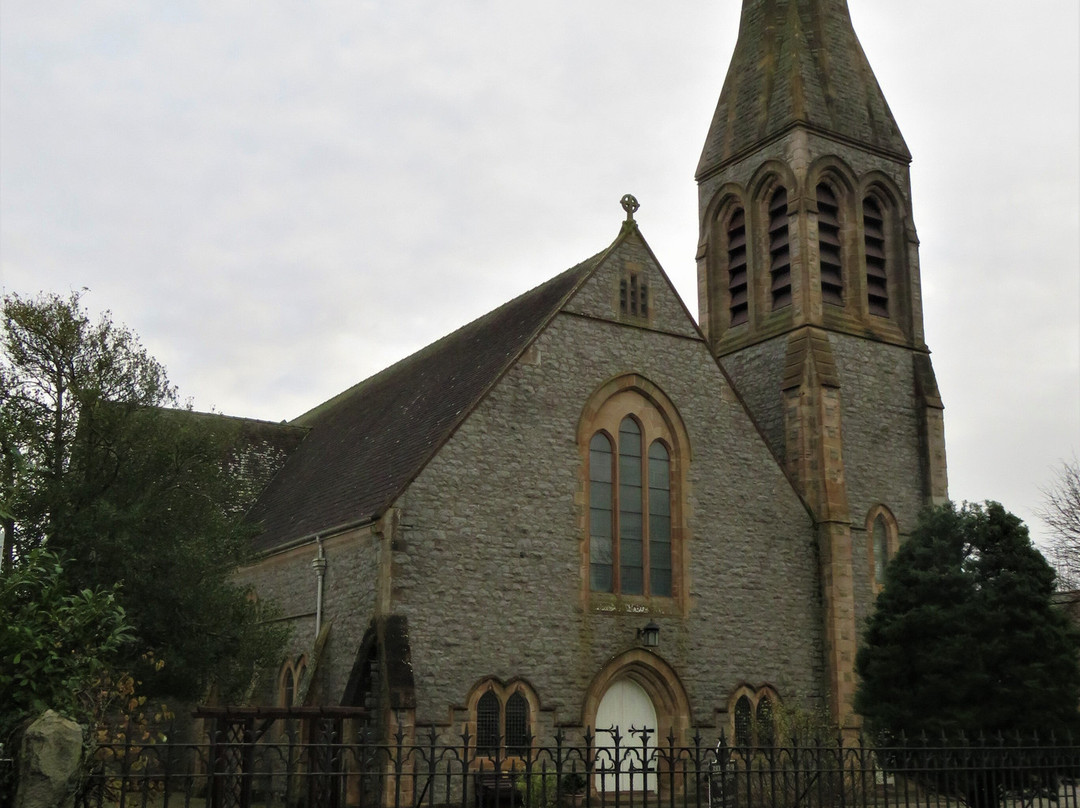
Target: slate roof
798,61
365,445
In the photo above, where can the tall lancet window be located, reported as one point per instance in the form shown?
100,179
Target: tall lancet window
880,539
601,514
631,560
883,540
829,252
877,278
659,466
634,465
779,250
630,519
736,267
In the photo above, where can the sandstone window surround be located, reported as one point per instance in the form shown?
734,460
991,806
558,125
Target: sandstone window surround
501,718
289,679
753,716
634,453
882,542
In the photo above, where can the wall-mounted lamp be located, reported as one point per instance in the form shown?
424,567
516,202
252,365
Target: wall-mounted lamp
650,635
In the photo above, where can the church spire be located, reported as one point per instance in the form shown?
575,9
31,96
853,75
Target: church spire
798,62
808,270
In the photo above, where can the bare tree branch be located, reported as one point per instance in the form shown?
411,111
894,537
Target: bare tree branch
1061,511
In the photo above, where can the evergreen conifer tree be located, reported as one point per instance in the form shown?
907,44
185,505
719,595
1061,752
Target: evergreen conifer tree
965,637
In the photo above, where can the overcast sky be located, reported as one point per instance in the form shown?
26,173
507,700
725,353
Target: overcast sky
282,198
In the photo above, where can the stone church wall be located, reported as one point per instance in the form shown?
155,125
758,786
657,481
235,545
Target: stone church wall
349,601
491,579
882,461
757,372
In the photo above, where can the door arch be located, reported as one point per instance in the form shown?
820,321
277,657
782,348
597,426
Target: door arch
635,678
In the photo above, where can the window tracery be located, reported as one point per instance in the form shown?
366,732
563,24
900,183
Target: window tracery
630,496
634,459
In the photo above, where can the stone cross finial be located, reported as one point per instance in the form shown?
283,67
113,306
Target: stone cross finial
629,204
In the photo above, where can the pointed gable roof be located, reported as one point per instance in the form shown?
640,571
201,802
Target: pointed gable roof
798,61
365,445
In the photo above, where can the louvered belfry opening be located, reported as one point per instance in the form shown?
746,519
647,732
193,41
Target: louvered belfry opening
736,266
779,250
832,270
633,296
877,286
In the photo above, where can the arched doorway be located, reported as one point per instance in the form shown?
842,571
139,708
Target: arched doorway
626,737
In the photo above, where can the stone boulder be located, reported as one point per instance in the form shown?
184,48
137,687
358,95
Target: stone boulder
51,751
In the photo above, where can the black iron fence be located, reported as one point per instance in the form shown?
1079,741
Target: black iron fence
313,762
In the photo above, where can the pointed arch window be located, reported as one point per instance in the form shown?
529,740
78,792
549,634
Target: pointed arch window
601,500
634,452
880,538
744,722
517,724
765,721
829,247
503,717
753,716
488,709
877,270
289,680
779,250
882,543
630,514
288,688
659,519
735,247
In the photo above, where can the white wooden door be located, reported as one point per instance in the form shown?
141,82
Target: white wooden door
625,706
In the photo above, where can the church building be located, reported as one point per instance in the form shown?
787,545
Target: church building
588,510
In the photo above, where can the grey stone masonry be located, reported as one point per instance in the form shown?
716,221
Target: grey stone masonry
288,579
493,574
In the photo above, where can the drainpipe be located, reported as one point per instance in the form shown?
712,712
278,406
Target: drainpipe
319,565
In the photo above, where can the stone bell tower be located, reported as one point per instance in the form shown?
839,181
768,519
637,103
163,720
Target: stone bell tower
809,290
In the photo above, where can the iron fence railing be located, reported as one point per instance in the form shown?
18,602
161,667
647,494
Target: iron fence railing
293,768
